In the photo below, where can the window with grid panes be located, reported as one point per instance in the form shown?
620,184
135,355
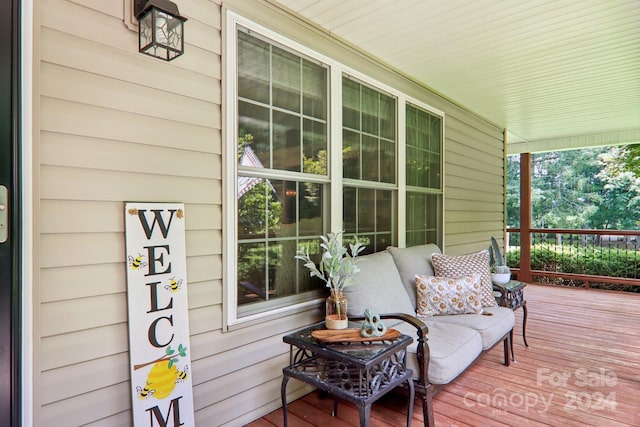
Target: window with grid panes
369,164
282,151
424,176
282,136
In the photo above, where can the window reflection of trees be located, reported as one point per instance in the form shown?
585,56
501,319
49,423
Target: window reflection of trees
273,217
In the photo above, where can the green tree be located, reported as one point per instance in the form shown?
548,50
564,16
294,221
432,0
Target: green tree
589,188
620,196
563,186
630,159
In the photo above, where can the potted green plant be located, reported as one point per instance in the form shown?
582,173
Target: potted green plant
336,268
500,271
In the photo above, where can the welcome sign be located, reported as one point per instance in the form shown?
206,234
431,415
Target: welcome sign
161,386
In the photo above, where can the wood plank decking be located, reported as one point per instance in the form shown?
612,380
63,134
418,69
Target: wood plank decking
583,368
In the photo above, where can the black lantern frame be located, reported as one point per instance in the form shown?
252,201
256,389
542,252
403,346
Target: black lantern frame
161,29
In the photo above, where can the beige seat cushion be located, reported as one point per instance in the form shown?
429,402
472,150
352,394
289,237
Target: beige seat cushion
452,349
491,328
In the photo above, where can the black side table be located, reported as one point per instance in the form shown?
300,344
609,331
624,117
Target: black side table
360,373
512,296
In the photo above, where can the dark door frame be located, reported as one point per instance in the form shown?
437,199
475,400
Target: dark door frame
10,262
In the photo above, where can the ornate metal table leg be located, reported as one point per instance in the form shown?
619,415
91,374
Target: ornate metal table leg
283,395
365,415
513,354
524,323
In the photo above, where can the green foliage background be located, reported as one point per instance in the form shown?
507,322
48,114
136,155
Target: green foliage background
580,260
596,188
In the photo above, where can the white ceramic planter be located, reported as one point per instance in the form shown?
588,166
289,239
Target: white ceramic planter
500,278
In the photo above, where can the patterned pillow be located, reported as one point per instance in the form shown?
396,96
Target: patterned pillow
445,295
463,265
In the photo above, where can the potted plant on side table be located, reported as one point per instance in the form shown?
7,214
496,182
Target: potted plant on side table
336,268
500,271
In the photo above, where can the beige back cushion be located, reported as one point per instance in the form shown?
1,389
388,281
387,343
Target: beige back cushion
378,287
413,261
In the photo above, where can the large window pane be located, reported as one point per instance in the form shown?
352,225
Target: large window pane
369,131
423,172
423,148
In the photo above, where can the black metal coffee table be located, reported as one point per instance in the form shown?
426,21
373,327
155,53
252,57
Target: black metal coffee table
358,372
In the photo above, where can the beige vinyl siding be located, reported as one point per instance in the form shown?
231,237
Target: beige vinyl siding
116,126
474,183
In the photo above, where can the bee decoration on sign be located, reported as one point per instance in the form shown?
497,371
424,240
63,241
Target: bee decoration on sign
183,375
136,262
173,285
144,392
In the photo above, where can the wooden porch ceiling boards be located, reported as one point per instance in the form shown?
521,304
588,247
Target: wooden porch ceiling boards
555,74
591,337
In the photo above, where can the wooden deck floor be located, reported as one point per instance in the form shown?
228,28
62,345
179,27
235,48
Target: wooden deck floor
582,368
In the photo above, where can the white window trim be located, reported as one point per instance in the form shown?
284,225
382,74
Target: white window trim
229,164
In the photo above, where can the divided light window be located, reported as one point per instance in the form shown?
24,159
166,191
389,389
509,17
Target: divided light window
424,176
282,139
280,108
369,165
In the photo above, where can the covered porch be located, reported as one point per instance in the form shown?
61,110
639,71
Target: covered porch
582,368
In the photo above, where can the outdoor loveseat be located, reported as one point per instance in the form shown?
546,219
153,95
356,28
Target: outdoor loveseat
445,344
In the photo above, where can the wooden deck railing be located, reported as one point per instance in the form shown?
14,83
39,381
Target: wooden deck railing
578,257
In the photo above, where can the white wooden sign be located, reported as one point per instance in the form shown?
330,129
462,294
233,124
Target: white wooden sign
160,353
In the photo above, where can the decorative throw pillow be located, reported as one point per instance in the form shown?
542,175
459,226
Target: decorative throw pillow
446,295
464,265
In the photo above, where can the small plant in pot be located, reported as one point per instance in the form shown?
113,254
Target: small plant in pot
500,271
336,268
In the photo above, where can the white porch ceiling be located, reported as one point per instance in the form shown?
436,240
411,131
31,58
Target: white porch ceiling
556,74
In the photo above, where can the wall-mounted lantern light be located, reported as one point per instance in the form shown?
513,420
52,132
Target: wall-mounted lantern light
161,28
